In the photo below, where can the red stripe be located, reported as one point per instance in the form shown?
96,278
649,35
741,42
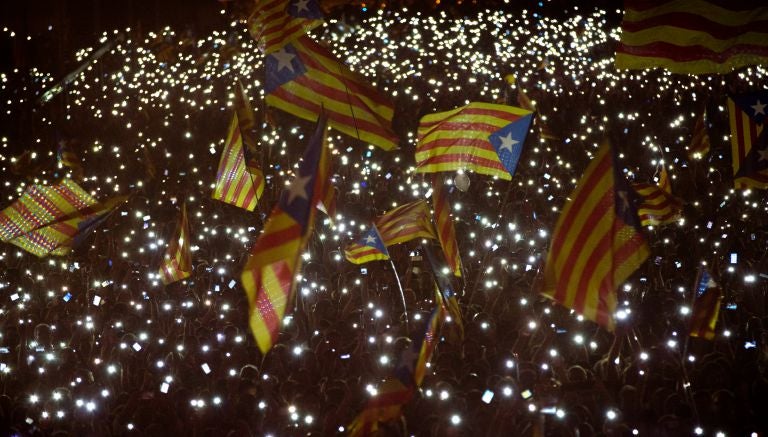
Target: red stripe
270,240
696,22
225,170
661,49
731,5
479,143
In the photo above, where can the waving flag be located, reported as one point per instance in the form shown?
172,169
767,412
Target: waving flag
699,147
67,157
693,36
369,248
445,230
431,338
274,261
484,137
275,23
177,261
239,181
304,77
657,204
706,306
597,242
445,286
749,139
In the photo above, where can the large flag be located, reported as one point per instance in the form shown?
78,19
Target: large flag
706,306
239,181
369,248
177,261
699,147
446,233
749,139
51,219
275,23
399,225
484,137
304,77
693,36
275,259
657,204
597,242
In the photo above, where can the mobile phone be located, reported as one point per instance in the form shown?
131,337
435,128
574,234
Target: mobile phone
487,396
67,297
750,345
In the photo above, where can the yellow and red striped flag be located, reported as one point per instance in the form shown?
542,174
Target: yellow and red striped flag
706,306
657,204
369,248
446,288
446,233
304,78
749,139
177,261
597,242
275,259
431,338
693,36
699,147
275,23
484,137
239,181
50,219
399,225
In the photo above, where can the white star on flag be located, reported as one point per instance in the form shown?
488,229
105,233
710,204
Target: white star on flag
284,60
298,188
507,142
759,107
301,5
370,239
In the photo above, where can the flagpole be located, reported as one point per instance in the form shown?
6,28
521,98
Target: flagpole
402,294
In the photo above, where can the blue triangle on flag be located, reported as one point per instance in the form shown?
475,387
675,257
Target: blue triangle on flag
508,142
282,66
305,9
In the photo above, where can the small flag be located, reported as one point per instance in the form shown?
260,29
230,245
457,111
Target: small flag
431,338
706,306
484,137
304,77
446,233
68,158
369,248
693,36
275,260
399,225
749,139
657,204
239,182
445,286
177,261
275,23
597,243
699,147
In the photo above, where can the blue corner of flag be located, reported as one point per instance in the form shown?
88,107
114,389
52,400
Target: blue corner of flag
295,200
309,9
508,142
282,66
753,104
373,239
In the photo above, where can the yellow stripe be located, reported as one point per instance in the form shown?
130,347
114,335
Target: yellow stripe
439,116
468,151
453,166
685,38
629,62
700,7
441,134
428,132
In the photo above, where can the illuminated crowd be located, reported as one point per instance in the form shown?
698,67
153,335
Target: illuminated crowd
94,344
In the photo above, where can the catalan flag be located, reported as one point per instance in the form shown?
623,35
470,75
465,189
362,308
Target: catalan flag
303,77
177,261
275,23
699,146
399,225
445,230
369,248
706,306
386,405
47,219
445,286
239,182
749,139
597,242
484,137
431,338
657,204
274,261
693,36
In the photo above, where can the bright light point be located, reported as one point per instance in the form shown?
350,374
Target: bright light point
698,430
611,415
507,391
455,419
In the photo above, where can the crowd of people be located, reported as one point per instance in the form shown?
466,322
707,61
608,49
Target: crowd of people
94,344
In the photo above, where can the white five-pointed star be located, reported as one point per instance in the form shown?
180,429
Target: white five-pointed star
507,142
283,59
763,155
759,107
370,239
301,5
298,188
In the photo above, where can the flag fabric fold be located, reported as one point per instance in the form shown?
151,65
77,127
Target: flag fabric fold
597,242
239,181
275,259
275,23
486,138
706,306
693,36
445,286
304,78
699,146
657,204
431,338
749,139
399,225
177,260
446,232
